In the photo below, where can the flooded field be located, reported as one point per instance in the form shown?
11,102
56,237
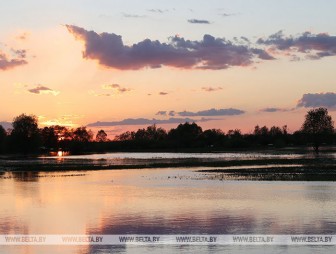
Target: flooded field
162,201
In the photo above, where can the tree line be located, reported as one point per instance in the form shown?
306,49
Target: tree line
27,138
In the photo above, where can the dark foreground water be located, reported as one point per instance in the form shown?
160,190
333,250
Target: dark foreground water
161,201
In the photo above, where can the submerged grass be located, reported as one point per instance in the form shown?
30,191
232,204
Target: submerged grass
296,173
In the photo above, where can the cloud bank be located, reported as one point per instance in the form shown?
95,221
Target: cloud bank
144,121
209,112
213,112
273,110
318,100
209,53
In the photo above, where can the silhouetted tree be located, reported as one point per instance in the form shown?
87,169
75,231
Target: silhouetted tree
269,136
318,125
26,137
285,130
262,135
126,136
156,134
213,137
81,134
278,136
3,135
299,138
101,136
186,135
25,134
141,135
150,137
236,139
236,133
275,131
63,133
78,141
49,137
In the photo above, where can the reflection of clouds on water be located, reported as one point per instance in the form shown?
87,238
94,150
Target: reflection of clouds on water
323,194
189,223
226,223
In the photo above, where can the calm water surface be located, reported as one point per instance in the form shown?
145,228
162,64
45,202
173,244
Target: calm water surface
162,201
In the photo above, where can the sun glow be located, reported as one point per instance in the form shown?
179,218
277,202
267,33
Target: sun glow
58,122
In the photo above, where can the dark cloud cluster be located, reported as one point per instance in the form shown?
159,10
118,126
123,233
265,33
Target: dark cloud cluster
209,53
318,100
145,121
209,112
163,93
315,46
198,21
309,100
18,59
39,89
213,112
273,110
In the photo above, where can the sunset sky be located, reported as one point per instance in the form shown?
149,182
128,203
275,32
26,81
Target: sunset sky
123,64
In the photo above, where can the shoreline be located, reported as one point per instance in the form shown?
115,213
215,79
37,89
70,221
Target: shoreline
262,169
271,150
